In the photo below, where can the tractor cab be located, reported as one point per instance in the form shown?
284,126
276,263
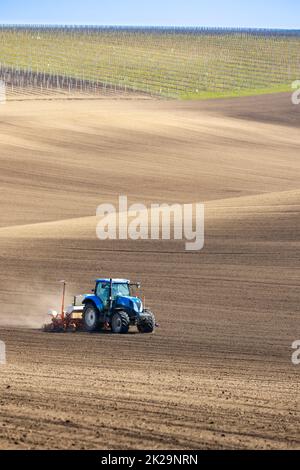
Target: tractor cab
117,293
106,290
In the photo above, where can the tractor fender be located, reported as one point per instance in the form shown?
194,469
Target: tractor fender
95,301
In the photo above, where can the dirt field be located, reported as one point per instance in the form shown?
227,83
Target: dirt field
217,373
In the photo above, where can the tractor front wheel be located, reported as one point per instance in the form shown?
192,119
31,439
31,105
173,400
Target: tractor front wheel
120,323
146,324
91,318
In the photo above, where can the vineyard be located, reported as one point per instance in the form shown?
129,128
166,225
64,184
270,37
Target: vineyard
166,62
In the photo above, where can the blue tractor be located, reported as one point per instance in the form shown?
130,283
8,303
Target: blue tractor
112,304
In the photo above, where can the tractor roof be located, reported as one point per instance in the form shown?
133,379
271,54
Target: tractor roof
115,281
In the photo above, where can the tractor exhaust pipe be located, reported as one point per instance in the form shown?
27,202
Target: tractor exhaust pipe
110,294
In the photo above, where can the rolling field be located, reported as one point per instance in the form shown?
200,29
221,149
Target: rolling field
175,63
217,373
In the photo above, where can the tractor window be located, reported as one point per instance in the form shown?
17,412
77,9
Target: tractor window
120,289
103,292
117,289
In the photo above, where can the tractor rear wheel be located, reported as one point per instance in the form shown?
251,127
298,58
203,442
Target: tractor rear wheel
120,323
91,318
146,324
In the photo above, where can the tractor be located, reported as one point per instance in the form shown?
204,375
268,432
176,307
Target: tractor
110,306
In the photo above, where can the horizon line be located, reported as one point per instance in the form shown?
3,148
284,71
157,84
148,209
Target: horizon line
93,25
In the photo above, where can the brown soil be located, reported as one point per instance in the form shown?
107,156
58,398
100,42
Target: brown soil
217,373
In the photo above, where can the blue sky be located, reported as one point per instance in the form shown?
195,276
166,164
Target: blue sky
239,13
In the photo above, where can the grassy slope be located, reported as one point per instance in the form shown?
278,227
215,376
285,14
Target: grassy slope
206,95
176,65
